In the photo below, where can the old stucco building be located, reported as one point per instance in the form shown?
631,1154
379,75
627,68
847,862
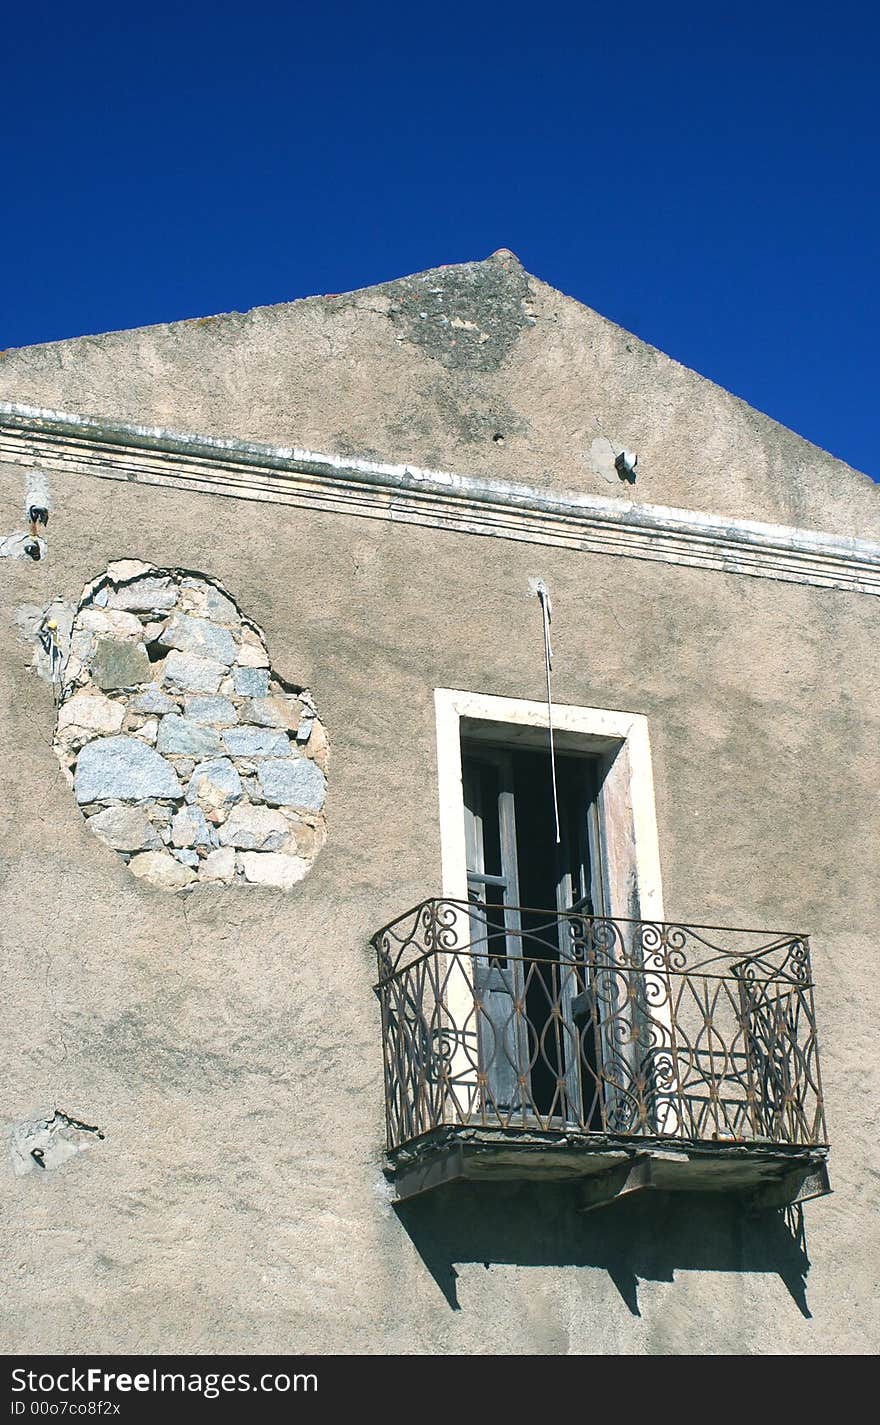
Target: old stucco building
277,677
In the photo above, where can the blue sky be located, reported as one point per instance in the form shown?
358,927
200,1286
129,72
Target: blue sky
705,175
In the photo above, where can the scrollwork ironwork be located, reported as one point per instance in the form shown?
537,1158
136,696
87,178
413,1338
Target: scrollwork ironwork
631,1028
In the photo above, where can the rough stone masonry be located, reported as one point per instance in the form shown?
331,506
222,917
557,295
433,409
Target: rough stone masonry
186,753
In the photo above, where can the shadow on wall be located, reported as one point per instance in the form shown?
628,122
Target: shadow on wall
647,1237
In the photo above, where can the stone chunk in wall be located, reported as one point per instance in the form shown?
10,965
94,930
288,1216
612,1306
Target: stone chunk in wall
144,595
254,828
126,829
161,869
255,742
152,700
251,682
189,828
191,673
215,784
197,635
272,869
181,735
297,783
215,711
275,711
203,599
218,865
124,769
86,715
120,663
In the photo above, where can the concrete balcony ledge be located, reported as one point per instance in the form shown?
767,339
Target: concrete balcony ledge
609,1166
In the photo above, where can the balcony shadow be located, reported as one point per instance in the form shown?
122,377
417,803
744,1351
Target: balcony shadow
645,1237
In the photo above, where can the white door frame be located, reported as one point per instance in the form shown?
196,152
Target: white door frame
631,852
626,798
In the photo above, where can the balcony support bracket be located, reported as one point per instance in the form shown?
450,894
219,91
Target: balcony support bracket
635,1176
800,1185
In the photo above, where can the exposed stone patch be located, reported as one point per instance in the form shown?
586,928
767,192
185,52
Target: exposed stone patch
187,754
468,317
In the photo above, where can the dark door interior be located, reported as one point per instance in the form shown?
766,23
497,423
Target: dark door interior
523,883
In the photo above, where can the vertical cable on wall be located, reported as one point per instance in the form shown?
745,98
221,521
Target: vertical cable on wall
543,593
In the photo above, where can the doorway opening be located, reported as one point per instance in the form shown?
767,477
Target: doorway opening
529,896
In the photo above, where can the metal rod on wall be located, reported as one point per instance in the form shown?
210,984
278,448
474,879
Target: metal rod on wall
543,593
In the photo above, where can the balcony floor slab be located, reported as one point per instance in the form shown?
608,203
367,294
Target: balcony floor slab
608,1166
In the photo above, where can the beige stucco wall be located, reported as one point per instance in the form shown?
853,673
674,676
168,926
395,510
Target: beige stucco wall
228,1045
431,369
227,1042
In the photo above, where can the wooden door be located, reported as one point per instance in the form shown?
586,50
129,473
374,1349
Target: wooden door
493,891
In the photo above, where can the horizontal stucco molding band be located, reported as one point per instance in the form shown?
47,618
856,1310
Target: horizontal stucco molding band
111,450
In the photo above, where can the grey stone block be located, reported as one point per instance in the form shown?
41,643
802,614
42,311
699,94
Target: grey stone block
208,601
126,829
217,711
124,768
215,784
255,742
120,663
198,635
280,710
153,700
143,595
181,735
191,673
189,828
298,783
251,682
254,828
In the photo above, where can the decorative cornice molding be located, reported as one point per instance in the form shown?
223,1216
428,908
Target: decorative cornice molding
112,450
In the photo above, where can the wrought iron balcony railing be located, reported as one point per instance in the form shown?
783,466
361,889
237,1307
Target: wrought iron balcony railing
507,1018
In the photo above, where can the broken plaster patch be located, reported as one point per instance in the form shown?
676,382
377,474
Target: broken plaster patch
164,694
29,543
468,317
46,1141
